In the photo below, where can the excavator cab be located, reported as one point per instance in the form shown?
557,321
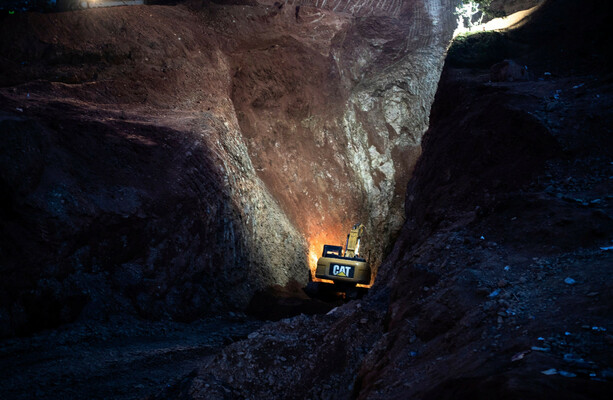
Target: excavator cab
346,269
332,251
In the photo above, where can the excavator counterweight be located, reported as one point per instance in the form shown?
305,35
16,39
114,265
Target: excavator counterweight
347,268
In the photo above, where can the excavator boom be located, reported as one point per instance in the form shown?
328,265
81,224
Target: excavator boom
352,247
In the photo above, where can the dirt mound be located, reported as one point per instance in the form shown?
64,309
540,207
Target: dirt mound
496,282
301,357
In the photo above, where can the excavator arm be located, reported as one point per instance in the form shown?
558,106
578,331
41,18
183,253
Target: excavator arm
352,247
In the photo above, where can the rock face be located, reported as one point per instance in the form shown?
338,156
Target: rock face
335,111
171,161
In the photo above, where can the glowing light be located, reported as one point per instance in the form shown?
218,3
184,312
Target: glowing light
316,245
312,260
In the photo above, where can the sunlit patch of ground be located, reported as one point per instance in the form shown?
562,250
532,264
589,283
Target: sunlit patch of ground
511,21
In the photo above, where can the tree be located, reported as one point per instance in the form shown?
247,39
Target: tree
470,13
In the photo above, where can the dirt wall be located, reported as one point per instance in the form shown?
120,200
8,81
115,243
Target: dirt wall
205,150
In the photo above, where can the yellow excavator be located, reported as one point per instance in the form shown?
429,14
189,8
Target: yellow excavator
345,269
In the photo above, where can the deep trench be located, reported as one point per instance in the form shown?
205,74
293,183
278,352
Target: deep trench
497,285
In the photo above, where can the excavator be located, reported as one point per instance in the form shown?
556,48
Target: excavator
345,269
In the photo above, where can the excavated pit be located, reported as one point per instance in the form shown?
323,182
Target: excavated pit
175,169
156,170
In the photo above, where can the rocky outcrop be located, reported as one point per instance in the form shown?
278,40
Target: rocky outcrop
173,169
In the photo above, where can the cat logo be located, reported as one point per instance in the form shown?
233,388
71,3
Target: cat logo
341,270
